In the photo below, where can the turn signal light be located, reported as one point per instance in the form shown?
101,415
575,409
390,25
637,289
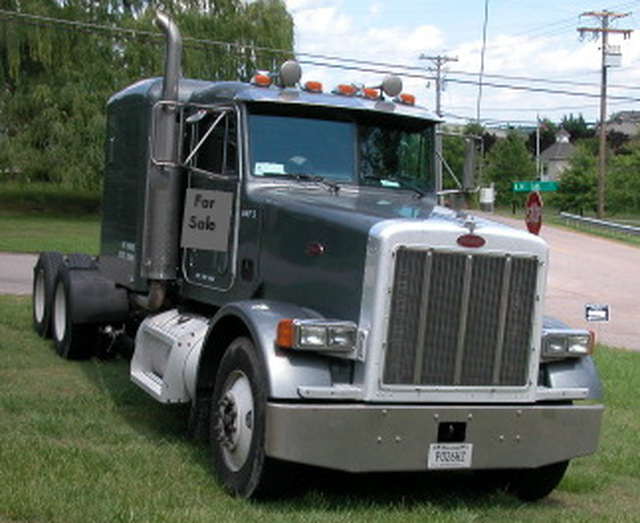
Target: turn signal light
285,337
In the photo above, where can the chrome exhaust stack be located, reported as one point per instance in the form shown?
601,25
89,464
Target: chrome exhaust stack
160,249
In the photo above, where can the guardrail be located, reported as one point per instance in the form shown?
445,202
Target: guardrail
600,224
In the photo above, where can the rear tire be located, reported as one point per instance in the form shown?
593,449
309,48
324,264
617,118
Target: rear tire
238,424
72,341
44,275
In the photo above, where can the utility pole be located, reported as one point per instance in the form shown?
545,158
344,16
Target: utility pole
439,62
604,17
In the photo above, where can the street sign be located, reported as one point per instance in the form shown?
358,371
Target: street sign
535,185
596,312
533,213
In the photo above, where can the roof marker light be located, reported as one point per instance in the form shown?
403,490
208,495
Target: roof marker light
371,94
261,80
345,90
406,99
313,87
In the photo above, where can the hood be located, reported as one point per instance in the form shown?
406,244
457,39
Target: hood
313,241
356,207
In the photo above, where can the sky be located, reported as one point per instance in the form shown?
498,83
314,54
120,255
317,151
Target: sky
532,45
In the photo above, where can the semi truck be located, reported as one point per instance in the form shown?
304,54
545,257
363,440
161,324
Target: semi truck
273,254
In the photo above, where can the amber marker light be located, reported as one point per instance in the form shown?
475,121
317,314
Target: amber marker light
261,80
313,87
370,94
285,337
406,99
345,90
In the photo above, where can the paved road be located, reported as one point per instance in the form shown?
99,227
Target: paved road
16,273
583,269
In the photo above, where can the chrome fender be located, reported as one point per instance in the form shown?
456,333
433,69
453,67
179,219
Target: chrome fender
287,370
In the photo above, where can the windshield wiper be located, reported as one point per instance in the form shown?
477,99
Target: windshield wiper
401,182
409,183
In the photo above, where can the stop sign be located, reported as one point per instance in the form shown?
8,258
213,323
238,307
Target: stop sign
533,212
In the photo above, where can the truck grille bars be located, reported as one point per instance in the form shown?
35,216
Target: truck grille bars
459,319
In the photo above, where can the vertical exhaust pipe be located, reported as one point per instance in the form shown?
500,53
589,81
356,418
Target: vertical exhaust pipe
172,56
159,257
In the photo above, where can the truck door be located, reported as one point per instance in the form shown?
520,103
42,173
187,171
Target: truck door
209,236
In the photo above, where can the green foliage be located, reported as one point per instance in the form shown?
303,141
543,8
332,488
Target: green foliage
623,180
55,77
453,152
508,161
577,127
578,184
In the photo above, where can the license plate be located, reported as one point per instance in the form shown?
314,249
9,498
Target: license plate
450,455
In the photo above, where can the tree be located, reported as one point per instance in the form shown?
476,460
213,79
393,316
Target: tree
453,152
578,183
623,179
508,161
577,127
57,71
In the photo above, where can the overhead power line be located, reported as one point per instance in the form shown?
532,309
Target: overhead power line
323,60
317,59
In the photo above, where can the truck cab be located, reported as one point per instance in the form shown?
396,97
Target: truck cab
277,255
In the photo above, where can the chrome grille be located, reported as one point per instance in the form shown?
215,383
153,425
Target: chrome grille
460,320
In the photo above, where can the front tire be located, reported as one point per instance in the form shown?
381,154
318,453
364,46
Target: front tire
44,275
535,484
238,423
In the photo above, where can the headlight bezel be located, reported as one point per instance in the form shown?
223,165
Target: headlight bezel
320,335
559,344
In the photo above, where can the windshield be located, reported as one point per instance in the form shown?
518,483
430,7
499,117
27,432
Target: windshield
383,152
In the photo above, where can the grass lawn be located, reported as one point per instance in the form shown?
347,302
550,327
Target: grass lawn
44,217
79,442
22,232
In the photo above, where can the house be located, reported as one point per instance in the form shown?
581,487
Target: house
624,122
555,159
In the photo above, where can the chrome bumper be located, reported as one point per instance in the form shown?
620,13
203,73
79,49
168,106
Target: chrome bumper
376,438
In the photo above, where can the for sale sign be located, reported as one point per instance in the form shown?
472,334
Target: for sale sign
207,218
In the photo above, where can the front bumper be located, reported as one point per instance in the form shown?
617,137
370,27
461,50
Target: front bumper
377,438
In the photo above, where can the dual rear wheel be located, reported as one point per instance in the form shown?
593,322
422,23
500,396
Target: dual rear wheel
52,304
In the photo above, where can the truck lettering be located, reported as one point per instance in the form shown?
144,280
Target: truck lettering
203,202
206,224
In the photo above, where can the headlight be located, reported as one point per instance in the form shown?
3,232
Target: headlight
327,335
566,343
